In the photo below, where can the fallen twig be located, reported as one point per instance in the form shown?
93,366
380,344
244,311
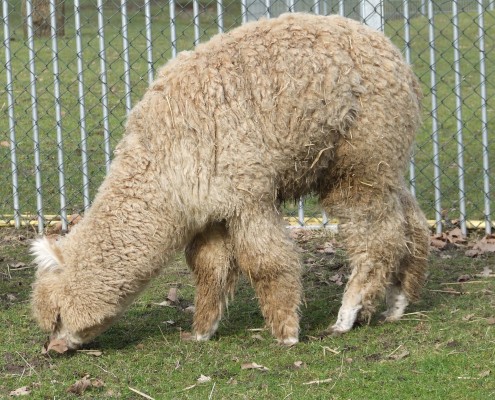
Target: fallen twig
211,393
326,348
318,381
340,373
140,393
447,291
394,351
29,365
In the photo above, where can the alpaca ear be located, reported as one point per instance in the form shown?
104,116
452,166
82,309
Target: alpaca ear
47,253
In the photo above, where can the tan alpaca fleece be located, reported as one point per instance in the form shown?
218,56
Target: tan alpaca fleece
271,111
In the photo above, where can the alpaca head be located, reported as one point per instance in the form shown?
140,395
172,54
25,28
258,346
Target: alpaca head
56,306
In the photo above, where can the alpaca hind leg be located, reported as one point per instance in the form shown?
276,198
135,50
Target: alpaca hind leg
396,301
409,279
374,236
209,256
268,257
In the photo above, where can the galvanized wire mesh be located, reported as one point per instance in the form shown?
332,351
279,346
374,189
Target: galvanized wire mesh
72,70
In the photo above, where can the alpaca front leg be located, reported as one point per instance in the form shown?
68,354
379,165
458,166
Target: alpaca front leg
348,312
268,258
209,255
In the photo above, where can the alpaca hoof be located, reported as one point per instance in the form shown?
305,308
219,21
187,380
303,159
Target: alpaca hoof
202,337
336,331
290,341
321,335
329,332
385,317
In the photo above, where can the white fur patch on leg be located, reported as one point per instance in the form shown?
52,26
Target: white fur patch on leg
346,318
204,336
290,341
396,304
348,312
48,256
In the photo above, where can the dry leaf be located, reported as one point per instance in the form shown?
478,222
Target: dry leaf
253,365
472,253
486,244
80,386
487,271
11,297
57,345
74,219
484,374
299,364
468,317
4,143
190,309
490,321
327,248
203,379
337,279
140,346
438,242
257,337
464,278
186,336
172,295
399,356
456,237
22,391
97,383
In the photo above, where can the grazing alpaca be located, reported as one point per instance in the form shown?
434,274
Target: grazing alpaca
271,111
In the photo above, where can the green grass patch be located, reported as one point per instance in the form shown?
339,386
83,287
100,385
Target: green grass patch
443,349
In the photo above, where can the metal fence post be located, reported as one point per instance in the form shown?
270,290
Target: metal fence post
458,114
434,121
104,85
484,118
82,107
371,12
58,117
9,89
34,115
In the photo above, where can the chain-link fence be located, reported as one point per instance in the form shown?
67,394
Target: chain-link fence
72,69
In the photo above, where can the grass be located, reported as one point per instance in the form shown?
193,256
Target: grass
185,35
443,349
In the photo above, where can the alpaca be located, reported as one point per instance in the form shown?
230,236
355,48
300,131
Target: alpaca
271,111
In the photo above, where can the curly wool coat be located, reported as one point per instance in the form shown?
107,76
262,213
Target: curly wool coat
271,111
